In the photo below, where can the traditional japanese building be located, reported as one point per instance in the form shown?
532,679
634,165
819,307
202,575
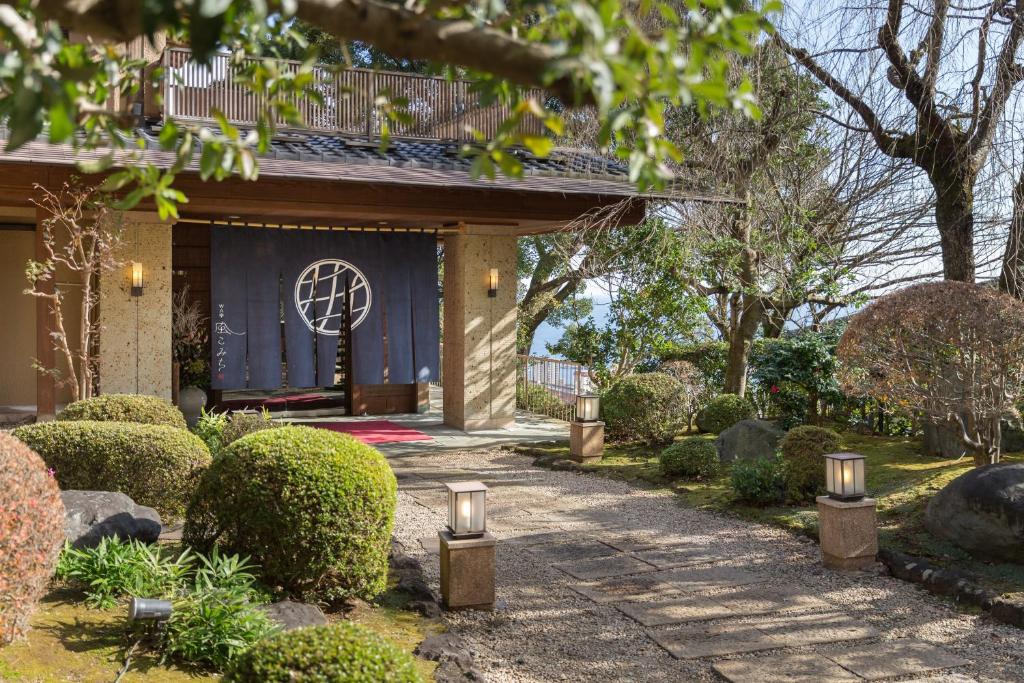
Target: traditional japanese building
324,271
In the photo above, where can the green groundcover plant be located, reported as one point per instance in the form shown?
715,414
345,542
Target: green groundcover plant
215,596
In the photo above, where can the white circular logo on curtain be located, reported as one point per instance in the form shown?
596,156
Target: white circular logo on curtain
323,310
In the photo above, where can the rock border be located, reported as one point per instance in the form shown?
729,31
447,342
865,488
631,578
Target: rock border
953,584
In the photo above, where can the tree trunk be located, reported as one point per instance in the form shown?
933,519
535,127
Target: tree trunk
954,217
741,339
1011,279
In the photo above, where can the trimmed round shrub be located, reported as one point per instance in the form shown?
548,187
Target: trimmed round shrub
153,465
802,448
149,410
243,424
646,406
760,481
339,653
31,534
693,458
723,412
312,507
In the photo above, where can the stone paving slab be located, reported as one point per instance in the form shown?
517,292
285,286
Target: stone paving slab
680,580
539,537
674,610
633,542
601,567
769,599
432,544
733,637
692,642
680,556
571,550
524,523
899,658
784,669
797,630
740,603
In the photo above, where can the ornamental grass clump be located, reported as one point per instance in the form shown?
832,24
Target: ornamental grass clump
153,465
31,534
647,407
723,412
312,507
691,458
125,408
802,449
338,653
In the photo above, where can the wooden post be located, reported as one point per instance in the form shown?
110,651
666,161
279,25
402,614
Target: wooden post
46,390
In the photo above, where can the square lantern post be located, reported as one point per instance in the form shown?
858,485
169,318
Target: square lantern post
586,431
467,549
847,527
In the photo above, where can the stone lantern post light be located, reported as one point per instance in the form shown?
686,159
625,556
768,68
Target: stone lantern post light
586,432
467,549
847,528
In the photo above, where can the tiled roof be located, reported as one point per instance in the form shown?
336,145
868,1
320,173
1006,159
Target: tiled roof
436,155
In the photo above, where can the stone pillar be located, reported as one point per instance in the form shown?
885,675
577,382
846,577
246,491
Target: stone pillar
479,375
848,533
135,331
467,571
586,441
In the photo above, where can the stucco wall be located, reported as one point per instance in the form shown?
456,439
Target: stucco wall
479,332
18,331
135,334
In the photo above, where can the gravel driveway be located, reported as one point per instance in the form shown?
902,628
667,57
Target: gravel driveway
599,580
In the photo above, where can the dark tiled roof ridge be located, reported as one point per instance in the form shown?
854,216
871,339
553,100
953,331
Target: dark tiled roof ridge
441,155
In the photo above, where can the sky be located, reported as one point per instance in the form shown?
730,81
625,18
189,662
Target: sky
826,24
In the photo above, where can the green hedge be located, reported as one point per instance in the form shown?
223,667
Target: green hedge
802,450
339,653
125,408
646,406
723,412
154,465
312,507
693,458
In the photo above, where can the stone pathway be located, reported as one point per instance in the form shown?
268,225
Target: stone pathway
602,581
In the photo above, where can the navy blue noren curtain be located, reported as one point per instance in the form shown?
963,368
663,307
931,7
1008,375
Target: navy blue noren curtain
259,274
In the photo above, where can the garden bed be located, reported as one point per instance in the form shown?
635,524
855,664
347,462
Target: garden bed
70,641
898,476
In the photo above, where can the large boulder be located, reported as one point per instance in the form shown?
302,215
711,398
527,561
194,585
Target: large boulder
982,511
93,515
748,440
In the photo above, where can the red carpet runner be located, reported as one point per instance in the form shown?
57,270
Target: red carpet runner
373,431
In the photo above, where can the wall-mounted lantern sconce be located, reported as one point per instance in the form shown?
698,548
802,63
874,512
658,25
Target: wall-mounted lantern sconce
492,283
137,279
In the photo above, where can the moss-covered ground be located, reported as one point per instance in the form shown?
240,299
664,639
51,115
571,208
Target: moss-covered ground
71,642
898,476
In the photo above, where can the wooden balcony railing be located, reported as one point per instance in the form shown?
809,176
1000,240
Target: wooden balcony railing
439,109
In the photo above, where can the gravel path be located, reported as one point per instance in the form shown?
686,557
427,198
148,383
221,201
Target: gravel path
544,630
